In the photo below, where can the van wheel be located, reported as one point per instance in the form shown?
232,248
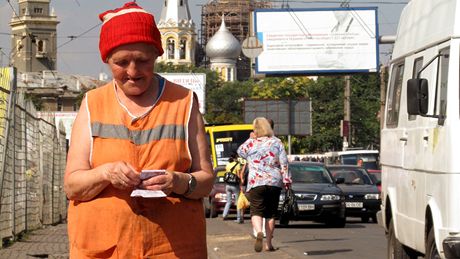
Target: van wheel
395,250
431,250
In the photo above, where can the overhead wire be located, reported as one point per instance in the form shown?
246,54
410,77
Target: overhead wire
72,38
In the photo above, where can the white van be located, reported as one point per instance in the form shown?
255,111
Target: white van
420,139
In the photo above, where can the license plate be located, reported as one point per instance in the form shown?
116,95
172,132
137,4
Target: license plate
353,204
306,206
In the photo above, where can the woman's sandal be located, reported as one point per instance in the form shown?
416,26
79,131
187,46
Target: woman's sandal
258,243
271,249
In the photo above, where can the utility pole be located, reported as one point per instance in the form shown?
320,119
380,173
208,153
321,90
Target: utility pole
346,125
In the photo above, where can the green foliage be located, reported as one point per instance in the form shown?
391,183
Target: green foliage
36,101
224,104
365,105
327,110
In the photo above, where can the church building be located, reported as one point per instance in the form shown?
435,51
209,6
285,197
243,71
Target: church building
178,33
33,38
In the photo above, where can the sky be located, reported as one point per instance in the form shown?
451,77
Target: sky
80,17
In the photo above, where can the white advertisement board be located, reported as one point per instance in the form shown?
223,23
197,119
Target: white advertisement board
316,41
195,82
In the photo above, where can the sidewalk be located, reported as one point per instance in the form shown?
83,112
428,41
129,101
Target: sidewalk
225,239
49,242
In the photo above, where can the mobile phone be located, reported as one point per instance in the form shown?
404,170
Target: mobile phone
146,174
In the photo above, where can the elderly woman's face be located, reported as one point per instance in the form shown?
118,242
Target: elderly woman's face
132,67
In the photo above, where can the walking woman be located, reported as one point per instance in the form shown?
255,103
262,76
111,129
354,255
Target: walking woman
232,187
268,174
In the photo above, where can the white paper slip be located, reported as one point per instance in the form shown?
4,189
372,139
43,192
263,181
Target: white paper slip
147,193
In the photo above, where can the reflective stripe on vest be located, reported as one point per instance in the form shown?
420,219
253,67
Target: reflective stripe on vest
138,137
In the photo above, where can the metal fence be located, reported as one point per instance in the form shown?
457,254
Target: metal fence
32,161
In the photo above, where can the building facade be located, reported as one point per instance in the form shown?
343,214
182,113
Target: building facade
178,33
34,37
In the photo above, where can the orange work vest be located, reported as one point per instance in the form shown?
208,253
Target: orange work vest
115,225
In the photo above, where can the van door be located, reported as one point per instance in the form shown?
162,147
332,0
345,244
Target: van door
392,149
412,184
420,155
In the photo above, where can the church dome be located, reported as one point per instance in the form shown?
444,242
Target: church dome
223,45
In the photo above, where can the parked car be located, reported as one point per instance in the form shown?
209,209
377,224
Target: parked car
362,197
317,195
214,204
376,177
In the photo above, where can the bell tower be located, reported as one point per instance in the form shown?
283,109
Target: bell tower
33,40
178,33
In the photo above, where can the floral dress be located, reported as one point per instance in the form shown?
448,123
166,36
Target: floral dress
267,160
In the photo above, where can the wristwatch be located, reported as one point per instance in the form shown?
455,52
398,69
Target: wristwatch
191,185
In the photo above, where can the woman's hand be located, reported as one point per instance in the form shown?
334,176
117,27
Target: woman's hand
121,175
164,182
287,186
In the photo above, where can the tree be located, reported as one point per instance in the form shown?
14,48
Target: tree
365,105
326,95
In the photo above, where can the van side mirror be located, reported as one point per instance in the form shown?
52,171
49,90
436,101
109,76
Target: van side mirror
417,96
339,180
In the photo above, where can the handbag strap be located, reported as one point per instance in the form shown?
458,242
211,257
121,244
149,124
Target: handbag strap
233,167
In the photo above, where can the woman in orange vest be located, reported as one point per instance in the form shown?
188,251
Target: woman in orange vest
139,121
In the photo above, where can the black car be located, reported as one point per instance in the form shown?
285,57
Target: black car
362,196
317,195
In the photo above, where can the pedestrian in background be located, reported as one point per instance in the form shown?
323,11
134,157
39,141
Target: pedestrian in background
268,174
138,121
232,187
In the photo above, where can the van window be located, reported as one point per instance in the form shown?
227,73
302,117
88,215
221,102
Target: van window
441,101
394,95
418,64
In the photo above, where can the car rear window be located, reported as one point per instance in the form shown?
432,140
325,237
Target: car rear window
309,174
351,175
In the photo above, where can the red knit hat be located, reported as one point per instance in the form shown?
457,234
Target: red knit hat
128,24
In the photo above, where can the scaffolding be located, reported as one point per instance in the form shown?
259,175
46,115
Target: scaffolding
237,14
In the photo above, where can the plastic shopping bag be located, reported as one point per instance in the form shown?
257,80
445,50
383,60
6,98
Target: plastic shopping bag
242,202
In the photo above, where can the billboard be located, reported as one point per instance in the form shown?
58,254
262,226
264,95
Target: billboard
193,81
317,41
291,117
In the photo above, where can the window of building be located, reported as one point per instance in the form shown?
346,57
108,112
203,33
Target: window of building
19,46
40,46
182,47
60,105
229,74
38,10
181,2
170,50
394,95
